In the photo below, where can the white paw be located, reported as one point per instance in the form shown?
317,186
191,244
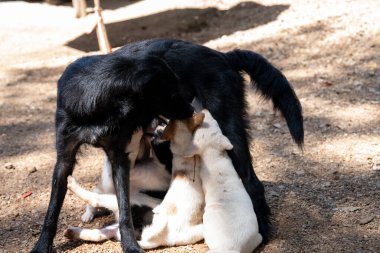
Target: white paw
72,233
88,216
71,182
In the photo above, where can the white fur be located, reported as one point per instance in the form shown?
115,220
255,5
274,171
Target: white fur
106,185
144,176
229,220
178,219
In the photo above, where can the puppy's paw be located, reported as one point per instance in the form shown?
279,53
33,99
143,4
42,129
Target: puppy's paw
71,233
71,183
88,216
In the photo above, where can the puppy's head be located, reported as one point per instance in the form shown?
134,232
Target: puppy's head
208,136
180,132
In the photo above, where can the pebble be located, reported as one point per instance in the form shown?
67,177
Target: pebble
378,184
9,166
367,219
32,170
325,184
274,194
376,167
349,208
277,125
300,172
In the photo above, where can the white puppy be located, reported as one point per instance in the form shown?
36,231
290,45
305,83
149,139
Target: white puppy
106,186
149,175
178,219
229,221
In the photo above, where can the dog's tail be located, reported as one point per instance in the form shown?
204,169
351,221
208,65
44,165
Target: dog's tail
273,85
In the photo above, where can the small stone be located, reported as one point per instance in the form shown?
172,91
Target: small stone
274,194
300,172
325,184
367,219
376,167
32,170
9,166
277,125
349,208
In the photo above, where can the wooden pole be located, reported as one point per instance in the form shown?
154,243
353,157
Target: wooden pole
80,7
101,32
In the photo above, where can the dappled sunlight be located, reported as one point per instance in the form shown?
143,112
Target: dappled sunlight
357,151
324,198
345,115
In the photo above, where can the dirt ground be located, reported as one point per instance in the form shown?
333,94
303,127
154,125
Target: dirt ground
324,199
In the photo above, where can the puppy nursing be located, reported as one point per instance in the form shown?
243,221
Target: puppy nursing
229,221
149,175
178,219
206,198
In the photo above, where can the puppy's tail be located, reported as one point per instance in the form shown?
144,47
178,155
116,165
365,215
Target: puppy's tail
273,85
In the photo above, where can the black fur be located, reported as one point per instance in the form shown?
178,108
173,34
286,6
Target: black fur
142,216
103,99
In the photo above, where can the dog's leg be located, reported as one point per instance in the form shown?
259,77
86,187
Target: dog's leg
105,186
66,152
93,235
120,171
94,199
155,235
191,235
141,199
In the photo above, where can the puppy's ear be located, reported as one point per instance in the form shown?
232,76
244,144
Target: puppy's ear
169,131
196,120
225,143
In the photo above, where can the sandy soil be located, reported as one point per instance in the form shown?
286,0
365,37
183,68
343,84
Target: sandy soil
324,199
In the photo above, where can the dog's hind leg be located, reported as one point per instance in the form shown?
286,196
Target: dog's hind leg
105,186
93,235
94,199
66,152
121,164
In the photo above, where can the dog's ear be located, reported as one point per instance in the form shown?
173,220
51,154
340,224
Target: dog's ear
169,131
225,143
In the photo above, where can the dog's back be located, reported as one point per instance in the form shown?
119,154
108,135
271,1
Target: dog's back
229,220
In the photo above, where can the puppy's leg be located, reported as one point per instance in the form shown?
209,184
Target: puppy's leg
93,235
120,163
94,199
155,235
106,182
66,152
141,199
105,186
191,235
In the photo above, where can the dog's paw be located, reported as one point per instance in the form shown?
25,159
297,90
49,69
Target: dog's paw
88,216
71,233
71,183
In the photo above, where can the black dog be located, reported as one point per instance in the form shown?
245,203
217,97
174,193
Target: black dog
103,99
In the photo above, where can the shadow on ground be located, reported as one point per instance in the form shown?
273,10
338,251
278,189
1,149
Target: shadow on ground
196,25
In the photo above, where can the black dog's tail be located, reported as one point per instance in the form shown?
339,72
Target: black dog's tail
272,84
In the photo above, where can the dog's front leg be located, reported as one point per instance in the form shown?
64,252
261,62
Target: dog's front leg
66,152
120,171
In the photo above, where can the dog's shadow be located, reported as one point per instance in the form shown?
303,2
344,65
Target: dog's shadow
196,25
